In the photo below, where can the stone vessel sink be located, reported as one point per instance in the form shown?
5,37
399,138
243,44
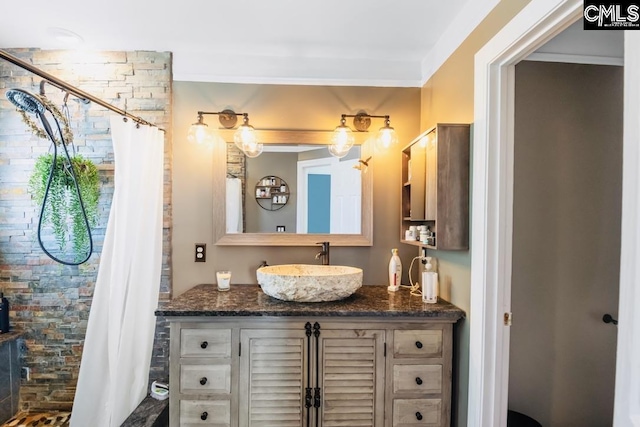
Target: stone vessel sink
309,283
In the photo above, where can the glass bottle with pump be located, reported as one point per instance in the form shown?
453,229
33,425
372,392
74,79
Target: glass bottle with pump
429,283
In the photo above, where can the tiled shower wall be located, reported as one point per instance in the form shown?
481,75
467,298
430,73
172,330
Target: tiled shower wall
50,302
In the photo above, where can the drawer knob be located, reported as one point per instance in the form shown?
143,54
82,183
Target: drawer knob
204,344
418,380
418,344
203,380
418,416
204,416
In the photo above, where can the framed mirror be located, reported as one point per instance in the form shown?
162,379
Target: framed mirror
315,182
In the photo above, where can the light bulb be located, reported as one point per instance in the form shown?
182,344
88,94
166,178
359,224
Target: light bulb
199,133
244,135
341,141
386,137
245,139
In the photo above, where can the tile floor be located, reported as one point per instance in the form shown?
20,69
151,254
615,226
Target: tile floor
51,419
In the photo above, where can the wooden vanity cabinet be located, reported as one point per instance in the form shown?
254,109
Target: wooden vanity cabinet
435,185
419,376
250,372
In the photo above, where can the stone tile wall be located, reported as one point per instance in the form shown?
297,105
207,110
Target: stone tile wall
50,302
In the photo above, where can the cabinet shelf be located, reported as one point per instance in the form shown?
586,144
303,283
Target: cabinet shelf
268,189
417,243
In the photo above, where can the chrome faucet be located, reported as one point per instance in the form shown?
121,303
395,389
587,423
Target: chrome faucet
324,253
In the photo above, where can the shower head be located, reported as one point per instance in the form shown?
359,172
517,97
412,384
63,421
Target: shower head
25,101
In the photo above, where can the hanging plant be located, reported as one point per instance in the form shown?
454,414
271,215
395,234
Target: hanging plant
63,211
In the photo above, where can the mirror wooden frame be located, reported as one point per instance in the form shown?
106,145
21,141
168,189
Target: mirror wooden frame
221,238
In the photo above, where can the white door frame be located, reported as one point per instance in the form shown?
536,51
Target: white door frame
305,167
492,216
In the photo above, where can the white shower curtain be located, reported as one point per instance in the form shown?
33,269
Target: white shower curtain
120,332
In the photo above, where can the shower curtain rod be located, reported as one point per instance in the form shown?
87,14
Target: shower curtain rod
62,85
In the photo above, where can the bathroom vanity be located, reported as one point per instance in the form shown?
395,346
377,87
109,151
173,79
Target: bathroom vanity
241,358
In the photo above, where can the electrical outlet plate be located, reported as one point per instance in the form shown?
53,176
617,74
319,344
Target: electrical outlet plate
201,252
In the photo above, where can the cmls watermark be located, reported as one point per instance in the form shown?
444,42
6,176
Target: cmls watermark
619,15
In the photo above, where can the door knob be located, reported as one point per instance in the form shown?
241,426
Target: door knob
418,380
418,416
418,344
204,416
608,319
203,380
204,344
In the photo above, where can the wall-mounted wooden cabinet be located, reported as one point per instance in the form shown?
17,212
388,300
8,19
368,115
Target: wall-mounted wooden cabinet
435,186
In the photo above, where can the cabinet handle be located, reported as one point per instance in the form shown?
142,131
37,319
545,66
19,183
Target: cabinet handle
204,344
418,380
203,380
418,344
418,416
204,416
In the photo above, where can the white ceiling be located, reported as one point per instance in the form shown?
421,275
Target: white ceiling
352,42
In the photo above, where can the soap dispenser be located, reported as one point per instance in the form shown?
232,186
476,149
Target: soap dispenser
4,314
429,283
395,271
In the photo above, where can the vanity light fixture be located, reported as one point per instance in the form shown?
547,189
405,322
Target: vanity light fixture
244,138
342,139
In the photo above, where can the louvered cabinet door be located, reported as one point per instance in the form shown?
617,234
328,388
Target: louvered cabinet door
351,372
273,366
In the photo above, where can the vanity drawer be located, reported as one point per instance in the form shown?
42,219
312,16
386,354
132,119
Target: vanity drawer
205,379
205,413
417,412
417,343
417,378
205,343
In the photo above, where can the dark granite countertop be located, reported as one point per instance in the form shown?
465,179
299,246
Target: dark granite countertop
150,413
249,300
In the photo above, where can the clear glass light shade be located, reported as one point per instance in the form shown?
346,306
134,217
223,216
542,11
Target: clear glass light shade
245,135
386,138
245,139
253,149
341,141
199,133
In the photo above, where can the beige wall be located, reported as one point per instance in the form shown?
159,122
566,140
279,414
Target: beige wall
447,97
566,242
282,107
